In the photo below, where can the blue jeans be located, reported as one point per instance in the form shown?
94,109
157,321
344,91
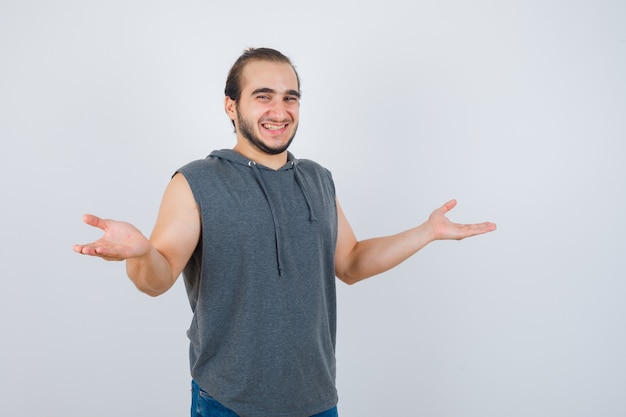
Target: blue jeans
203,405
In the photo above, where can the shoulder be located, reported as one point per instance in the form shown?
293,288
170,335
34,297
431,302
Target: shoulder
309,165
198,164
198,173
201,167
315,174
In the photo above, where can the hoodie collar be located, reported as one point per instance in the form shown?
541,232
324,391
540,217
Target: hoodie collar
234,156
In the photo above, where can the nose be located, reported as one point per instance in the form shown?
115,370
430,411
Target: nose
279,109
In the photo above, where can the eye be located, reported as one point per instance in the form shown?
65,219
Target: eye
264,98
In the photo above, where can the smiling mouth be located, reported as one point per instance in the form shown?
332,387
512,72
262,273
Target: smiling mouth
272,126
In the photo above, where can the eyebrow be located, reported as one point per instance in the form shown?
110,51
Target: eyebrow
271,91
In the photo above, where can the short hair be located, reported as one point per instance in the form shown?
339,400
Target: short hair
233,81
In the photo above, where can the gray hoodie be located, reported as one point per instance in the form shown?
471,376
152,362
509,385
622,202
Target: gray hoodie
261,285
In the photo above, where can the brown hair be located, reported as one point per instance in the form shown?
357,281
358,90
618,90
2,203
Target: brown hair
233,81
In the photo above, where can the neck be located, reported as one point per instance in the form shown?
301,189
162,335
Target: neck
271,161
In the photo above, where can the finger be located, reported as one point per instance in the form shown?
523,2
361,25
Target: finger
94,221
489,226
486,227
478,228
86,249
448,206
93,249
98,251
108,254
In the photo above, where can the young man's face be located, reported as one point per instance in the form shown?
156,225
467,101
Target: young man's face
266,114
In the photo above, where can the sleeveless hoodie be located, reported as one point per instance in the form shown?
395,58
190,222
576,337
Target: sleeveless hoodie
261,285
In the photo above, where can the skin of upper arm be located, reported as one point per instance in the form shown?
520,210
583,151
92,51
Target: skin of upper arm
177,229
344,250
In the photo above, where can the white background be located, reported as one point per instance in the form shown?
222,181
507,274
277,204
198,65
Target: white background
517,109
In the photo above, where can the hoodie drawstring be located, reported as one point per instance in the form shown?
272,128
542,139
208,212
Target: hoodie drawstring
299,181
259,179
298,176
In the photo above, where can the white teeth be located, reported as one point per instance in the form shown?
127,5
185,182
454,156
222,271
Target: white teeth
273,127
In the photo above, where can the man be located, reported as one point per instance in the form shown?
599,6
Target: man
259,237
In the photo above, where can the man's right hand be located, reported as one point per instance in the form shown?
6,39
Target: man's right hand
120,241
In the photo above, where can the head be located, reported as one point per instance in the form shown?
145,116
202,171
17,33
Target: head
233,81
262,100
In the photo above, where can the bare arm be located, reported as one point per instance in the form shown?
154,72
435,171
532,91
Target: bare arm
153,265
357,260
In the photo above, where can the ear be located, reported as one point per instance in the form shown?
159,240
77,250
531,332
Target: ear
230,106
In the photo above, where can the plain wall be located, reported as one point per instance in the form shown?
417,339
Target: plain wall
517,109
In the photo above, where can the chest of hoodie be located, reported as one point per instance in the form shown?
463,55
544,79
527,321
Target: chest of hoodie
256,215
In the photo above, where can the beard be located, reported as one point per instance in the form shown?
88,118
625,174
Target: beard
246,132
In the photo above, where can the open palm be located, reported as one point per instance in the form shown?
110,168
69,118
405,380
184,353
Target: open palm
120,241
443,228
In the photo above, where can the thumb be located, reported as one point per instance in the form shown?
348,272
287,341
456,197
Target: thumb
448,206
94,221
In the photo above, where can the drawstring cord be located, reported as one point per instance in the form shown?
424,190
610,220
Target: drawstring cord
300,181
298,176
259,179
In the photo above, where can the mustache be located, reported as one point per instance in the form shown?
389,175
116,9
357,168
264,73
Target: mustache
275,121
